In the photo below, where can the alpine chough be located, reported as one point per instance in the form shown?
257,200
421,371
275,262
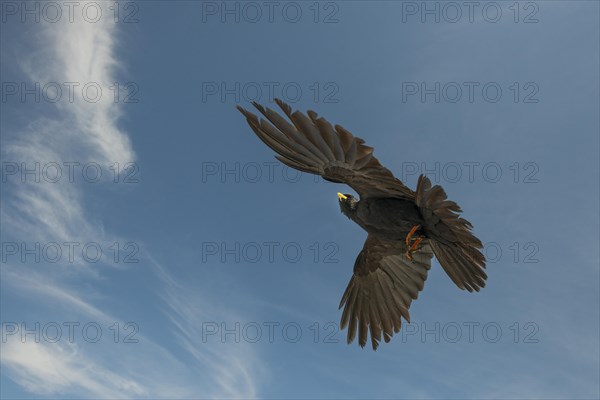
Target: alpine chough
405,228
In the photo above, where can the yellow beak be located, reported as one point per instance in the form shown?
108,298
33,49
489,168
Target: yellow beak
341,196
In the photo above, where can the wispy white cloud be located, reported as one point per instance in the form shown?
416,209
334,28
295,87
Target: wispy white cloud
83,53
80,130
70,366
231,371
60,368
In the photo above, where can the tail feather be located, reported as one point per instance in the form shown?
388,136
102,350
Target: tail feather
453,243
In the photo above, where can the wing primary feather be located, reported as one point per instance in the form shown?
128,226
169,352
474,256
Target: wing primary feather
346,137
332,139
351,153
313,140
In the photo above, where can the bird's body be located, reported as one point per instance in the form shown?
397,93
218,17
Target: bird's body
405,227
386,217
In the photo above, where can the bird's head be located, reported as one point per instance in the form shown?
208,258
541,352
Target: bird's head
348,204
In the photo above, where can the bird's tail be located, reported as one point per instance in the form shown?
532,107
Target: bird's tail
456,248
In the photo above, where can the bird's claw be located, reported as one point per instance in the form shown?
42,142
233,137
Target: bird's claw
413,242
413,248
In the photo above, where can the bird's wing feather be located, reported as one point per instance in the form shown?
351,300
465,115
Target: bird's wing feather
311,144
380,292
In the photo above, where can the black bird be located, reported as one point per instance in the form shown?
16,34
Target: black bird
405,228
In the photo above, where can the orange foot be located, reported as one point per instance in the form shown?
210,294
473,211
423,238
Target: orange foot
412,242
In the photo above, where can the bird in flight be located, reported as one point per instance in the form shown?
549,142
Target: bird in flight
405,227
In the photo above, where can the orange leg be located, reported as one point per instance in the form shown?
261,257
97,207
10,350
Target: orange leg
412,232
415,242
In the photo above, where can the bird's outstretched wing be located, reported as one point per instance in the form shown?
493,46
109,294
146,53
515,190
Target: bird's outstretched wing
382,288
311,144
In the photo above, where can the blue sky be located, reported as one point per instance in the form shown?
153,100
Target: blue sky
157,249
